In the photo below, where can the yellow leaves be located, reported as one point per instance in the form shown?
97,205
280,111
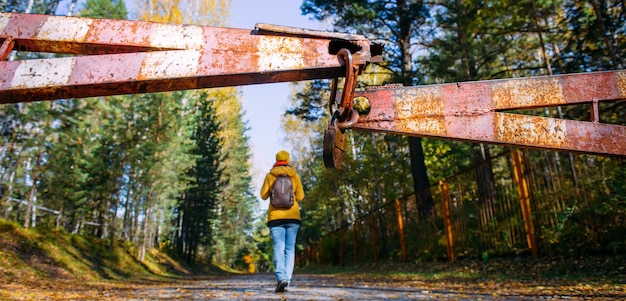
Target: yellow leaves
314,287
247,258
198,12
250,262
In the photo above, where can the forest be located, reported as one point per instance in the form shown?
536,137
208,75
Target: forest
173,170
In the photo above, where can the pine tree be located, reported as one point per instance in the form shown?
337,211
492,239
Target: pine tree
198,207
109,9
402,24
237,201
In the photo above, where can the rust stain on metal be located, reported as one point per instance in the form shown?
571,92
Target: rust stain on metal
280,53
421,110
109,68
590,87
6,46
472,127
170,57
382,105
456,112
530,130
42,73
527,93
169,64
21,25
170,36
64,29
119,35
621,83
596,137
6,76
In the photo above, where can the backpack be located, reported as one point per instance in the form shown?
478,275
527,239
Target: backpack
282,192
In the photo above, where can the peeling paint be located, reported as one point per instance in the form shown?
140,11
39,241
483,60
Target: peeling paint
530,130
64,29
527,93
621,82
169,64
424,126
425,101
176,36
280,53
42,73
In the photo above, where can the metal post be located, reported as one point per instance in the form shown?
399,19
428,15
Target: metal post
447,220
401,229
524,196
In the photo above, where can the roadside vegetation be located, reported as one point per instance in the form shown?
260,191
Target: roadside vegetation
43,264
40,264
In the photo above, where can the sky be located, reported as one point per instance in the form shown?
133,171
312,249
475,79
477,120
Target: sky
265,104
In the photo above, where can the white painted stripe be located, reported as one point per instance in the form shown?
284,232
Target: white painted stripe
4,20
170,64
280,53
42,73
176,36
64,29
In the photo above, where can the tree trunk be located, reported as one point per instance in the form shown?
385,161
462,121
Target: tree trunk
33,189
29,7
423,197
605,36
70,11
7,194
114,220
146,233
51,7
542,44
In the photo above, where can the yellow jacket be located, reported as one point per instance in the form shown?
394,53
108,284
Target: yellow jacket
292,213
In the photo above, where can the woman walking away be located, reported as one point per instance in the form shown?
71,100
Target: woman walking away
284,188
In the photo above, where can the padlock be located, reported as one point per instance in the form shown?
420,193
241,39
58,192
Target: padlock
334,145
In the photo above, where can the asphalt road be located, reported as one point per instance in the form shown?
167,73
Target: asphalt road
309,287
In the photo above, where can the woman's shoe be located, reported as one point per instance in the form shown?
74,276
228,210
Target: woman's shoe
281,286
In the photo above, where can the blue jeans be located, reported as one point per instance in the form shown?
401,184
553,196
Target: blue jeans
284,238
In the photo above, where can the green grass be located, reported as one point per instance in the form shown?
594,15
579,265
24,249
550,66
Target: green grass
45,253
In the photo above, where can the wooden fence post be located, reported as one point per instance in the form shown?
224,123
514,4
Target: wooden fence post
447,220
524,198
401,229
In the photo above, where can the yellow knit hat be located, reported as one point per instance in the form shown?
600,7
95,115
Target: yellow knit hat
282,156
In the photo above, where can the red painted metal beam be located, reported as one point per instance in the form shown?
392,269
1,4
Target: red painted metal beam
6,45
472,111
124,57
113,57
